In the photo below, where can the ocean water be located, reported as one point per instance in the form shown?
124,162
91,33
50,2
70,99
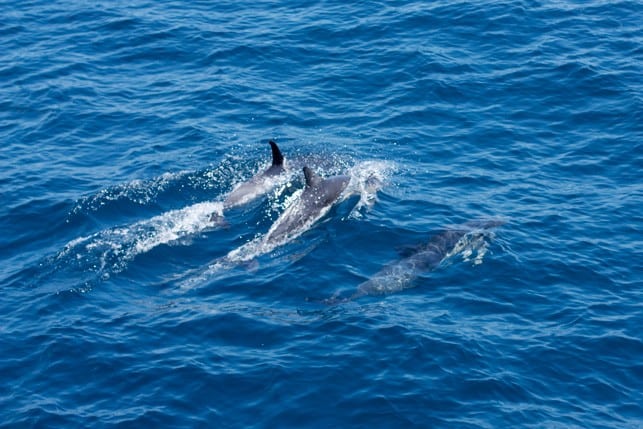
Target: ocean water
124,125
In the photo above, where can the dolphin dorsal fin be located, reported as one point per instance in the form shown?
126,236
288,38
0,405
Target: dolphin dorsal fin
277,157
311,178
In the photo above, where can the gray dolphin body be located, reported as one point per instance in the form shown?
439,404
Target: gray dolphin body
318,196
400,275
259,184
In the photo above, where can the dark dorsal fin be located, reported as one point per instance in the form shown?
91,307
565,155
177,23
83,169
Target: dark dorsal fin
277,157
311,178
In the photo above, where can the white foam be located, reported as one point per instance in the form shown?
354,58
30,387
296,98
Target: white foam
175,224
367,179
138,191
110,250
473,246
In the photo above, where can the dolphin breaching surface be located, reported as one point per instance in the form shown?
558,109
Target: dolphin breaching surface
314,200
299,199
256,186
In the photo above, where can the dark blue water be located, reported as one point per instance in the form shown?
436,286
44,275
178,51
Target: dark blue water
124,124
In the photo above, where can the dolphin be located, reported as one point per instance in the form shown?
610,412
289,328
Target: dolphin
316,199
399,275
259,184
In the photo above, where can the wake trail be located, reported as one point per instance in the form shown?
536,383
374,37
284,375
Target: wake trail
109,251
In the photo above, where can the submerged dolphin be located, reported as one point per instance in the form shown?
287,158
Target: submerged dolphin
399,275
317,198
259,184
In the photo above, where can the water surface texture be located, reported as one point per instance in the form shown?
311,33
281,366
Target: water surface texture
124,124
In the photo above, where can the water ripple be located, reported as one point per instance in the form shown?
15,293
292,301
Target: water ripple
124,124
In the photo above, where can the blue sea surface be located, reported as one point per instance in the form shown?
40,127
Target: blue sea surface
124,125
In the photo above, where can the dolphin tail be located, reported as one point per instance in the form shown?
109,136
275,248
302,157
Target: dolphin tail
277,157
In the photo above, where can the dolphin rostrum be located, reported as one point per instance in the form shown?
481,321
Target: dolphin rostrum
317,198
400,274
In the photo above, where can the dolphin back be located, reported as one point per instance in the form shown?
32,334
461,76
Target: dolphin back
334,186
323,192
316,199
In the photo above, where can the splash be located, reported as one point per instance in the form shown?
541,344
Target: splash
109,251
139,192
367,179
473,246
166,186
173,225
